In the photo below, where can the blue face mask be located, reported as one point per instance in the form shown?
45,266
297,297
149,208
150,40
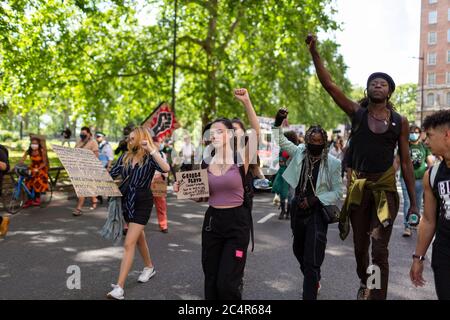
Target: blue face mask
161,147
414,137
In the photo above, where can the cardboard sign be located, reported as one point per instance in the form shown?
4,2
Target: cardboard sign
88,176
159,188
193,184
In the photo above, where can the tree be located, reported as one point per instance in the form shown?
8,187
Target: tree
93,63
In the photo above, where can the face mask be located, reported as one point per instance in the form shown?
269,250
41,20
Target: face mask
161,147
34,146
414,137
83,136
315,149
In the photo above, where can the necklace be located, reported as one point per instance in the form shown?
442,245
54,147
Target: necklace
312,164
385,120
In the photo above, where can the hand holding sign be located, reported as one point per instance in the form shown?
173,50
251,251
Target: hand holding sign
192,185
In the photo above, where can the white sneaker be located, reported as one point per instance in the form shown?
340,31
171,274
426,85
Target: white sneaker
146,274
116,293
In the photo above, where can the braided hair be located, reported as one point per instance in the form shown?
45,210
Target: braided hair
323,158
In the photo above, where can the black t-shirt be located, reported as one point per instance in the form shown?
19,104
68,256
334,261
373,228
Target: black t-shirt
309,191
441,190
3,158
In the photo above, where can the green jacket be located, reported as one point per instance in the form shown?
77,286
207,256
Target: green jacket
329,182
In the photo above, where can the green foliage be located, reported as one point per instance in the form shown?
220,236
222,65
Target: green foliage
405,100
83,62
8,136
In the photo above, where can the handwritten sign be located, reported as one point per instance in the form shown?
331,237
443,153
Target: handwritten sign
88,176
193,184
159,188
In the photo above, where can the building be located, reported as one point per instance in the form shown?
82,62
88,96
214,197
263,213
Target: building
434,71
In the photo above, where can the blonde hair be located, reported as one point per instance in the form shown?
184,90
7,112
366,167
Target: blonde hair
141,134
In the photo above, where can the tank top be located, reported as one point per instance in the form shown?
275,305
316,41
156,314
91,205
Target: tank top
373,152
226,190
441,190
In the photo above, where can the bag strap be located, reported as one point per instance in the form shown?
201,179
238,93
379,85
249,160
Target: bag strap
433,172
244,185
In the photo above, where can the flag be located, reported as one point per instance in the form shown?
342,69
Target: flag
161,122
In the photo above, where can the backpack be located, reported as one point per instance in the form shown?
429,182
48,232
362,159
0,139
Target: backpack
433,172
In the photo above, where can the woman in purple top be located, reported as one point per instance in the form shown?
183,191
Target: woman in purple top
227,223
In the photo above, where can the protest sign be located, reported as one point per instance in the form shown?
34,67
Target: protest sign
193,184
88,176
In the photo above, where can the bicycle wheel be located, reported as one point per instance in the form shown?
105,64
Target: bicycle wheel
14,199
46,197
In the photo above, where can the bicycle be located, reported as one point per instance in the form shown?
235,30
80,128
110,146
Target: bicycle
14,200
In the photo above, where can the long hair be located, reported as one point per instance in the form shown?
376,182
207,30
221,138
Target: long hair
323,158
135,150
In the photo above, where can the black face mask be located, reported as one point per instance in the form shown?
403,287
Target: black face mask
315,149
83,136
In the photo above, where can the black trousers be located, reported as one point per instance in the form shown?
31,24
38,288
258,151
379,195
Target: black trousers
310,241
225,239
440,262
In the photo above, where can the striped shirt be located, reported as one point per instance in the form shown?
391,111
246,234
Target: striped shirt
140,177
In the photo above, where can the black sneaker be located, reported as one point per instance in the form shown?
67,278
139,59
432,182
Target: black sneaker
165,230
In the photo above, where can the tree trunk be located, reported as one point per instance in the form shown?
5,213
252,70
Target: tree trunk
211,80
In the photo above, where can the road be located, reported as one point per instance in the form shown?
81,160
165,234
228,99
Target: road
43,243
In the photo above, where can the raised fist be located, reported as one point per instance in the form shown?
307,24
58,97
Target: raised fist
242,95
281,116
311,41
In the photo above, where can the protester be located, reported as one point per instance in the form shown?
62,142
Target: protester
317,182
136,168
106,155
421,160
187,154
38,180
86,142
227,224
376,130
337,148
435,222
160,201
66,134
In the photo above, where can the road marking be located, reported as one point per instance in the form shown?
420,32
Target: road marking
270,215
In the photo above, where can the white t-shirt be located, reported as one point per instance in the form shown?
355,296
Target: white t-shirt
187,152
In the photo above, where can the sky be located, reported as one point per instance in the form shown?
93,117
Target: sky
379,35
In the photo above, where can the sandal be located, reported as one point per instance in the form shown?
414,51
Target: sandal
77,212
